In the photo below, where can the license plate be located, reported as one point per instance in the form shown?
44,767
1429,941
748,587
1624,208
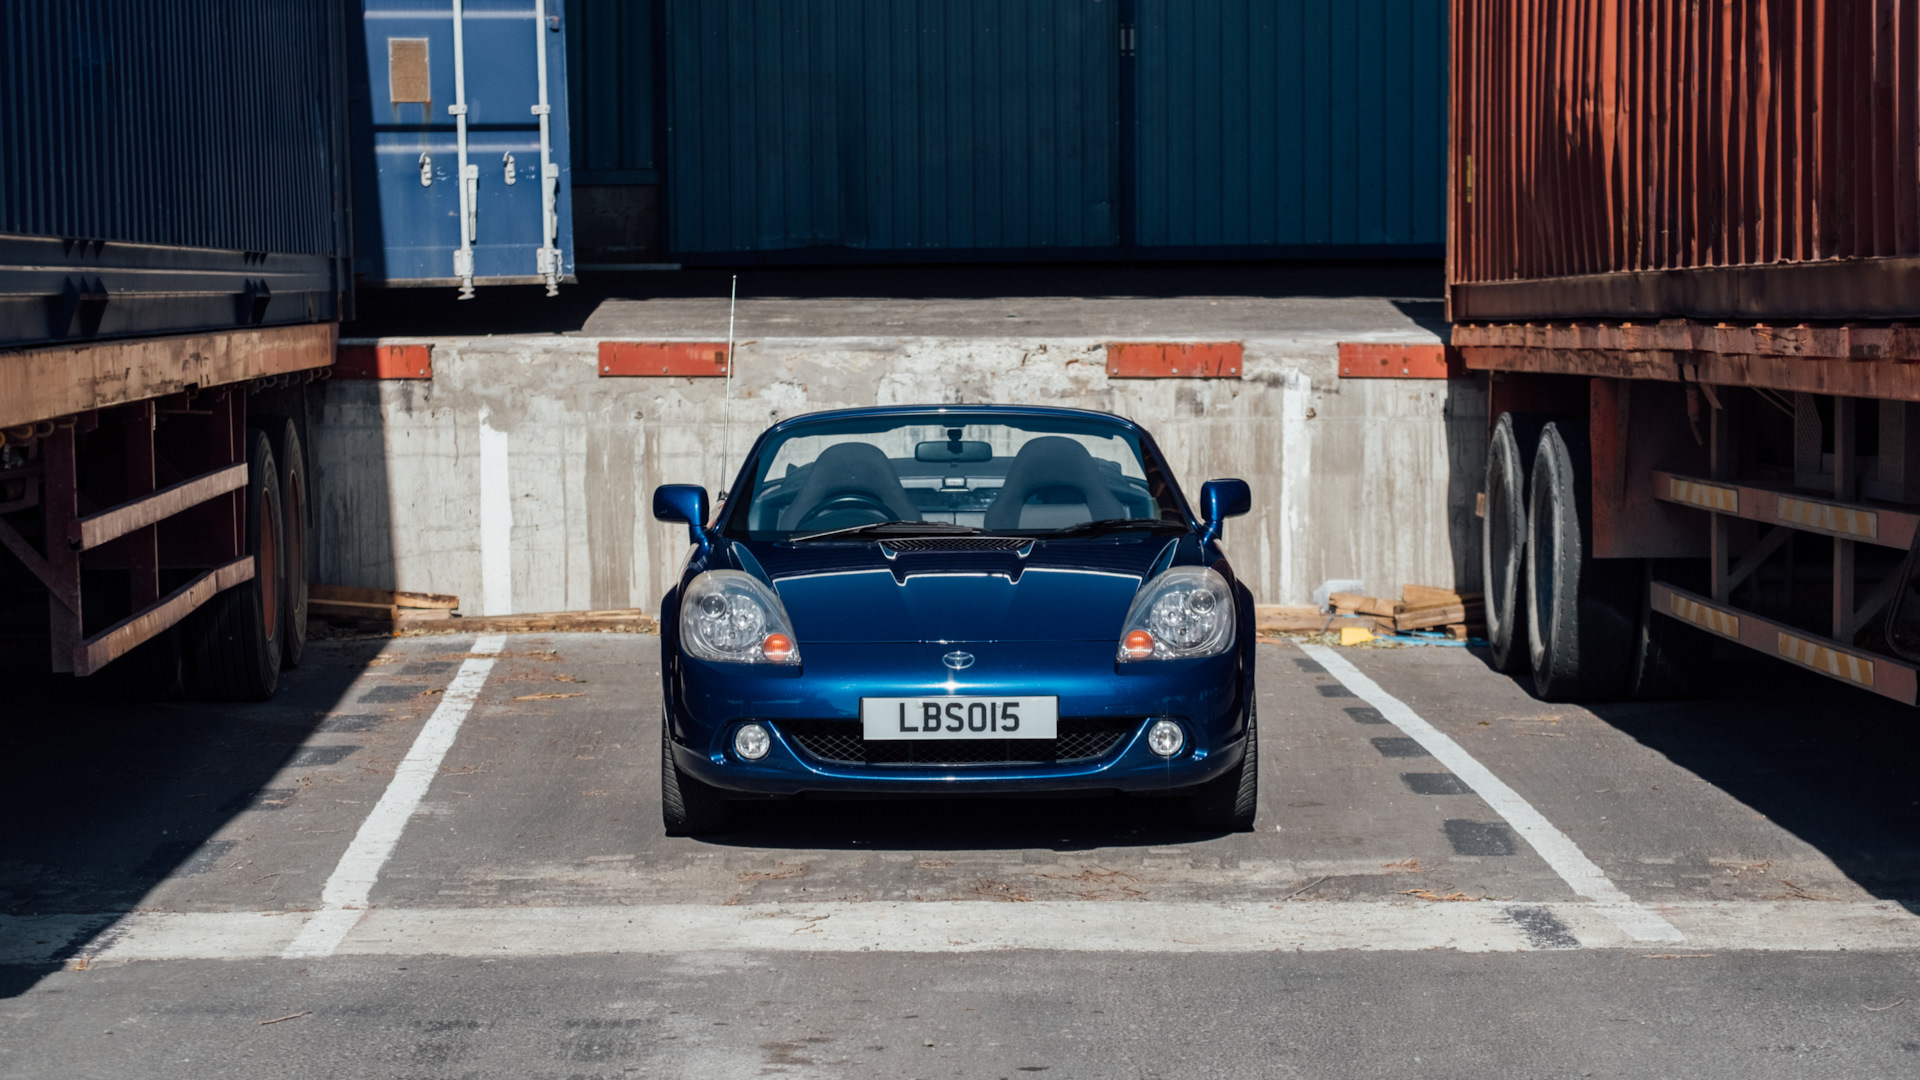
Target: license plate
896,719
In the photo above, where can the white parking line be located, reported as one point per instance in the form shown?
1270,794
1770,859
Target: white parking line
1560,852
965,926
344,899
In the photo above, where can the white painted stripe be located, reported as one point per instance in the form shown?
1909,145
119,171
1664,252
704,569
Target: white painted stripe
963,926
496,521
1560,852
344,897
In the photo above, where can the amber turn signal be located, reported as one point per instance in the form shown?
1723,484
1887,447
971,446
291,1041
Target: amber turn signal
777,648
1138,645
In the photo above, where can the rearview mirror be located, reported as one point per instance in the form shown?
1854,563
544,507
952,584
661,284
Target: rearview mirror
954,451
1220,500
683,502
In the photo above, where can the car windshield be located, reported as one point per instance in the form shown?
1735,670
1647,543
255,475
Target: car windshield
998,474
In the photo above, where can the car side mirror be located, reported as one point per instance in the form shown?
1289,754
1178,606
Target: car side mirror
683,502
1220,500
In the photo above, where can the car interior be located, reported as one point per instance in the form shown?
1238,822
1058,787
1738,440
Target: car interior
1051,482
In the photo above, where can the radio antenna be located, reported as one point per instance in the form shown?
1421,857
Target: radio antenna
726,424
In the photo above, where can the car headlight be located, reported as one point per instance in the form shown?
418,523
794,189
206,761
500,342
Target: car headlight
1183,613
731,616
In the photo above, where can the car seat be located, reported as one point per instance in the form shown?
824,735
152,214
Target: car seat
1065,476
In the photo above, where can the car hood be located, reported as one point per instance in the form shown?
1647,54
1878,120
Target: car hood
1060,590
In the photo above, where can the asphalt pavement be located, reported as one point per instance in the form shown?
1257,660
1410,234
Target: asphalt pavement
442,858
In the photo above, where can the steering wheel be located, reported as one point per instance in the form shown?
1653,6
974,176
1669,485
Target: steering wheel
870,509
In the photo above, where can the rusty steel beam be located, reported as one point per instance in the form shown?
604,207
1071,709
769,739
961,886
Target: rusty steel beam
42,384
117,640
1868,670
94,530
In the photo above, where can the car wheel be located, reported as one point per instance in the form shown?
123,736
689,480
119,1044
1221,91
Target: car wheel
687,806
1227,802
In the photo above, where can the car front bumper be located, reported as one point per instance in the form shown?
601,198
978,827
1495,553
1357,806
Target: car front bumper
707,702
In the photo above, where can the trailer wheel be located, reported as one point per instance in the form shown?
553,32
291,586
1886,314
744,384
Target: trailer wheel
1580,623
290,454
237,635
1503,547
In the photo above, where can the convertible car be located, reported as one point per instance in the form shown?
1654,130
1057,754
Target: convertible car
956,600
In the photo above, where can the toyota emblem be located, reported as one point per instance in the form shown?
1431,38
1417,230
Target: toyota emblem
958,661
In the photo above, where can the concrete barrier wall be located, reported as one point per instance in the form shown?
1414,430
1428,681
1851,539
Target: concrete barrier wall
521,481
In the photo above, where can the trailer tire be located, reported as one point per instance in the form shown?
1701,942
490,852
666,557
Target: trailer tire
236,636
1581,619
1503,547
290,454
1671,660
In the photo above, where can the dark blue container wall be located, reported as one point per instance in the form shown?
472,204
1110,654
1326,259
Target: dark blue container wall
188,123
1291,123
408,232
611,64
892,125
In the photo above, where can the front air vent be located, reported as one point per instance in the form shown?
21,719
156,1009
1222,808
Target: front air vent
958,543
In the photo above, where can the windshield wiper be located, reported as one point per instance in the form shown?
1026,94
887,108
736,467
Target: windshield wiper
1114,525
892,528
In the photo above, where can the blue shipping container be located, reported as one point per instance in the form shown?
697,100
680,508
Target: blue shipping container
170,166
483,77
1050,128
892,125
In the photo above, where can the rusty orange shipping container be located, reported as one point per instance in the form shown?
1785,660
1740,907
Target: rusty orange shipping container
1684,250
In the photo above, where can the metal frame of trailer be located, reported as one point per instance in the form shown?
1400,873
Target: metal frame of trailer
1829,494
163,405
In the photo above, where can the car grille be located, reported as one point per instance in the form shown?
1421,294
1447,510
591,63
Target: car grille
958,543
839,742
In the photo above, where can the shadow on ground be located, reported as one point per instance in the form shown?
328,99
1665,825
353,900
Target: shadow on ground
981,824
1836,766
104,798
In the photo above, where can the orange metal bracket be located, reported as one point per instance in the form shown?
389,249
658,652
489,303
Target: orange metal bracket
384,362
688,359
1173,360
1371,360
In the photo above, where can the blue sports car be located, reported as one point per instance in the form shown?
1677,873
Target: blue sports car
947,600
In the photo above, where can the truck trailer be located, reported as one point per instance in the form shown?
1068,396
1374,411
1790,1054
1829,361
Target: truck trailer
1684,249
174,264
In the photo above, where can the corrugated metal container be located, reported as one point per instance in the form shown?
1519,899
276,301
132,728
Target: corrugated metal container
612,61
892,125
505,62
1640,159
1082,128
169,166
1292,124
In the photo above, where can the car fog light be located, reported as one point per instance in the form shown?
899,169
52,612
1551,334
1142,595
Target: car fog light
752,742
1165,738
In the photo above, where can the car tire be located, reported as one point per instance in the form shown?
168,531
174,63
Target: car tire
1228,802
1581,619
687,806
236,636
1503,547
